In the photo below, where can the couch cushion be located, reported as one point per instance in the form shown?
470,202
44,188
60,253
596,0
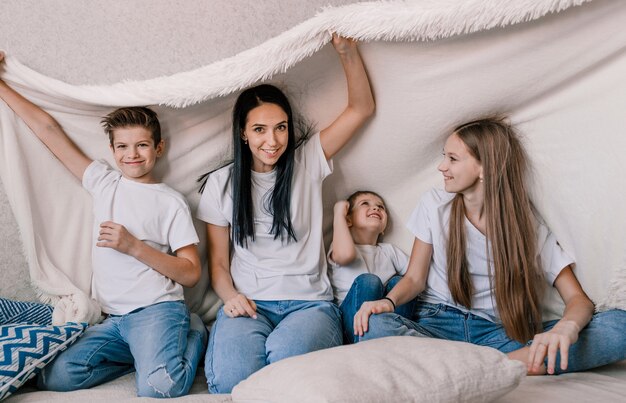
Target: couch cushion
25,349
399,369
24,312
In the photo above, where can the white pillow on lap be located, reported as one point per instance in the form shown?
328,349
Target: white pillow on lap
391,369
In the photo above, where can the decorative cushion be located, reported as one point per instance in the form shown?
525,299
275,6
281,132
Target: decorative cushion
24,312
26,349
390,369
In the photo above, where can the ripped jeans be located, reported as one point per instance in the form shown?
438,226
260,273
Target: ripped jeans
155,341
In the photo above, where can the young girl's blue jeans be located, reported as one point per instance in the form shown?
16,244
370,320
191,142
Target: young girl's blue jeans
368,287
156,342
240,346
601,342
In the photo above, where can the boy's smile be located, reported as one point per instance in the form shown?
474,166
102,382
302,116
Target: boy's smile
135,153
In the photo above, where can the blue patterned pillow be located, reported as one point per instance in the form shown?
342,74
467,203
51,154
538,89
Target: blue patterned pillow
26,349
24,312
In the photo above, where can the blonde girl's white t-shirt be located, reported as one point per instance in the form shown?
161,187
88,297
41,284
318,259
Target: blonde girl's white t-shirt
384,260
429,222
153,213
274,269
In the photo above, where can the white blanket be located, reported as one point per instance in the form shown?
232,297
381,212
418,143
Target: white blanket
433,64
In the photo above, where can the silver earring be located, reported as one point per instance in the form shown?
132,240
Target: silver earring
481,180
245,141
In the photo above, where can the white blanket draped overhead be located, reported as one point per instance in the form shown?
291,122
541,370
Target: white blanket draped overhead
433,64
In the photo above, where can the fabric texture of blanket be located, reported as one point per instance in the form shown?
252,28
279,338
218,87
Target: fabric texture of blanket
555,66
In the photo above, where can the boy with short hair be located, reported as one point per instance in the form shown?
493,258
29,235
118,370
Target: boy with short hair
360,268
138,284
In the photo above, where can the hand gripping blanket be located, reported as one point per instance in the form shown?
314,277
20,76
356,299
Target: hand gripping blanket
556,67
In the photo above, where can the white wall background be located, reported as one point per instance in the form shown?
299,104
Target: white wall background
102,42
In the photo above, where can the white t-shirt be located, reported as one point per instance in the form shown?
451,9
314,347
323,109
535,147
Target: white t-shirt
154,213
274,269
429,222
384,260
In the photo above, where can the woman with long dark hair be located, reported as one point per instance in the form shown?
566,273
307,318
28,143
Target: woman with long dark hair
481,260
267,207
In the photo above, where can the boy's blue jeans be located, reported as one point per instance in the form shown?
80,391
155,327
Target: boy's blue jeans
240,346
601,342
155,341
368,287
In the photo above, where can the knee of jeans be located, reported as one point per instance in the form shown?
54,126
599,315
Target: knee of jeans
368,280
62,375
380,325
159,383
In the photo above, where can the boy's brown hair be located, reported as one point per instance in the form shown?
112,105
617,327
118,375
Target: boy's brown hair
132,116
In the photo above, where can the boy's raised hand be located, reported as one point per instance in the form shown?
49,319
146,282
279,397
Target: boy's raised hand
341,208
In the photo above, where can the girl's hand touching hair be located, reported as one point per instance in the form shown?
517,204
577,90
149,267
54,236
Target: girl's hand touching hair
557,339
368,308
240,305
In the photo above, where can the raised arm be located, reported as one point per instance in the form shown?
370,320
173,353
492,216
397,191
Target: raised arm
413,283
218,245
46,129
343,250
360,99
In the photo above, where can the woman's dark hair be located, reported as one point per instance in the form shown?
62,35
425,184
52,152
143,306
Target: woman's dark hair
279,201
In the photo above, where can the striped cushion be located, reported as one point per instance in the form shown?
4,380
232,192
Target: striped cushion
25,349
24,312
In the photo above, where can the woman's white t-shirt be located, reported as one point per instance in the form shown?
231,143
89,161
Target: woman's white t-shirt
429,222
275,269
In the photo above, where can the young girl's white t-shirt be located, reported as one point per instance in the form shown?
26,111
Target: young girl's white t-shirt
429,223
384,260
153,213
275,269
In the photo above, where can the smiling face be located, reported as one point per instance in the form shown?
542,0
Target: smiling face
267,135
135,153
461,170
368,212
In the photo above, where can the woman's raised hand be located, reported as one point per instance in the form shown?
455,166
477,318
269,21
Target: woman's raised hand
343,45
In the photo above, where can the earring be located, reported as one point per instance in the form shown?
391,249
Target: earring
481,180
245,140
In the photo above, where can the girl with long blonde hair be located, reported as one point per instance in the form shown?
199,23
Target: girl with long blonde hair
480,262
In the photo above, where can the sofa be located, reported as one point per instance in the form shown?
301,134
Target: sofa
555,67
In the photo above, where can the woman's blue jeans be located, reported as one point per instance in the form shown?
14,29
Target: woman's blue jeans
601,342
368,287
240,346
156,342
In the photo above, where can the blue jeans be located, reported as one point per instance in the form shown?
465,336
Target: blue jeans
240,346
368,287
601,342
156,341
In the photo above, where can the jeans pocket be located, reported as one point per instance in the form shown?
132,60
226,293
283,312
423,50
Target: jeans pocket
427,310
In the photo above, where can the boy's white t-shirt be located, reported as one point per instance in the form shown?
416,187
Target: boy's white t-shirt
274,269
154,213
384,260
429,222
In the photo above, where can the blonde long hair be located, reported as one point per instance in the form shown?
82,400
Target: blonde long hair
510,226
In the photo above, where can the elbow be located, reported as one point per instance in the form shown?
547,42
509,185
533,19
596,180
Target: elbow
343,258
193,277
370,109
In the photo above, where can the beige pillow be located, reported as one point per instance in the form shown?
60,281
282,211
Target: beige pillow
391,369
